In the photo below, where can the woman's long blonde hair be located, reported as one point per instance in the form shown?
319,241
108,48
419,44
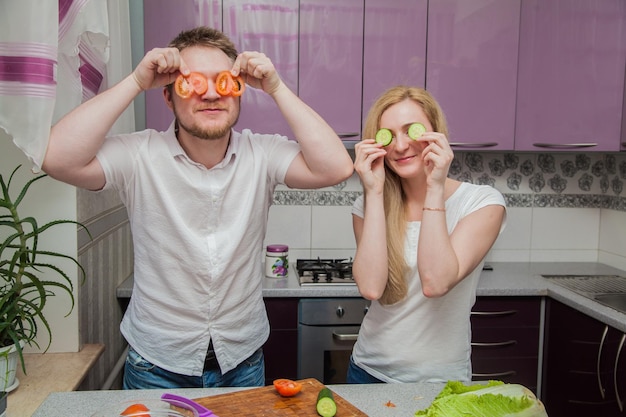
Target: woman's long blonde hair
394,197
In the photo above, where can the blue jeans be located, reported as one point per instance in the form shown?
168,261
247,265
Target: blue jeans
141,374
357,375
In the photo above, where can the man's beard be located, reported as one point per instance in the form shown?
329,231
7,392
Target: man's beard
212,133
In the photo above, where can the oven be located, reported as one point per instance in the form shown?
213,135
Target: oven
327,331
327,327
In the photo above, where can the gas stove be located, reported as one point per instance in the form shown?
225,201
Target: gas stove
325,271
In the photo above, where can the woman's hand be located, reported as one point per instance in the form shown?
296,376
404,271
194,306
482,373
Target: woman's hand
369,163
437,157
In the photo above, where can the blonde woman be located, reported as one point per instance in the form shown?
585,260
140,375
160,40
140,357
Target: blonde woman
421,242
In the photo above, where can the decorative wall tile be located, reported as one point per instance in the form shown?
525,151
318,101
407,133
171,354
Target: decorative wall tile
580,180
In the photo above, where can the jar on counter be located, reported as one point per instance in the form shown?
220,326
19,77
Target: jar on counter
276,261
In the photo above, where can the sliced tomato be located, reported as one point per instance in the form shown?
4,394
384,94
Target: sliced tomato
224,83
238,86
287,387
136,410
198,82
195,82
183,87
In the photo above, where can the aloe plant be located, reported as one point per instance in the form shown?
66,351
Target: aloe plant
23,292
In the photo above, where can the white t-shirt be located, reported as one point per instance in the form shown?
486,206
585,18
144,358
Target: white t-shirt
198,241
423,339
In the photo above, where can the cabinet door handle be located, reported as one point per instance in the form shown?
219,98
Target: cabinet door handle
565,145
495,374
348,135
604,333
345,336
493,313
473,145
494,344
620,404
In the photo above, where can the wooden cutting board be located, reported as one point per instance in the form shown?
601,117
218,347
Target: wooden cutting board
265,401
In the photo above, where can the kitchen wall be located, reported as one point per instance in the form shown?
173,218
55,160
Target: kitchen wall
561,207
46,201
107,258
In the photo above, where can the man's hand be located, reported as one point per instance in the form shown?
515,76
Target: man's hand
258,71
159,67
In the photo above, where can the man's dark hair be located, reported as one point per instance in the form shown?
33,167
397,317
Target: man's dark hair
205,36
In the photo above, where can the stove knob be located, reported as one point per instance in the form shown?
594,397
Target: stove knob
340,311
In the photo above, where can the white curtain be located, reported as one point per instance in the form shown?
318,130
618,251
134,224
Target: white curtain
53,56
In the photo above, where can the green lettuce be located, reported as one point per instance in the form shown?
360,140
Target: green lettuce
494,399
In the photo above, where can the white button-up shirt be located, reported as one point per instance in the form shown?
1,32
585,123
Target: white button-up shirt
198,241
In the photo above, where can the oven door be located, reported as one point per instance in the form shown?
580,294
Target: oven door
324,352
327,331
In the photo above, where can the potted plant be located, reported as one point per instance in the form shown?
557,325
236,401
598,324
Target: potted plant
3,403
23,289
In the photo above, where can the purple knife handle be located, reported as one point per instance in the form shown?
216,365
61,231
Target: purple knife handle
202,411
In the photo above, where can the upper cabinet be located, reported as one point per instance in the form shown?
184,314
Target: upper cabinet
527,75
623,141
271,27
163,20
394,46
472,69
331,62
572,59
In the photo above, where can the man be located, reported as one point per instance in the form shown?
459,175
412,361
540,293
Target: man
198,197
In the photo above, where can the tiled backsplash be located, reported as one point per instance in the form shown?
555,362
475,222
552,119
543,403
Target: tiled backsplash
526,179
319,223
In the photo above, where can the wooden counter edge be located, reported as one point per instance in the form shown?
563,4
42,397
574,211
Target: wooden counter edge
50,372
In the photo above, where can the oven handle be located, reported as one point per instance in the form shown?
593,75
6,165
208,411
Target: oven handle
345,336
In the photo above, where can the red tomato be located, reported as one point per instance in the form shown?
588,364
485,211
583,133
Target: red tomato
238,86
182,87
287,387
224,83
199,83
135,410
195,82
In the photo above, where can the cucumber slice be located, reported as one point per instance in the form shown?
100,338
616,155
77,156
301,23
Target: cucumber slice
416,130
384,136
326,406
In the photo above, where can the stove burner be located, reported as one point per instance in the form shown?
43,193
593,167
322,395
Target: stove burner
325,271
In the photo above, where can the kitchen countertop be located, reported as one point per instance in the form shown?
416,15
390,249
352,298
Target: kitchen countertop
370,398
48,373
506,279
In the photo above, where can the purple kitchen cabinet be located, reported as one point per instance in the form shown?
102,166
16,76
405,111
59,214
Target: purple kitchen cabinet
331,61
471,69
623,139
394,46
271,27
163,20
571,75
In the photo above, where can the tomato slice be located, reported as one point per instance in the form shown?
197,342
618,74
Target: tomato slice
224,83
287,387
198,82
136,410
195,82
238,86
183,87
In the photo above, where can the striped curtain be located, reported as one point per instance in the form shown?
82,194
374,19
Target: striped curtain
53,56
